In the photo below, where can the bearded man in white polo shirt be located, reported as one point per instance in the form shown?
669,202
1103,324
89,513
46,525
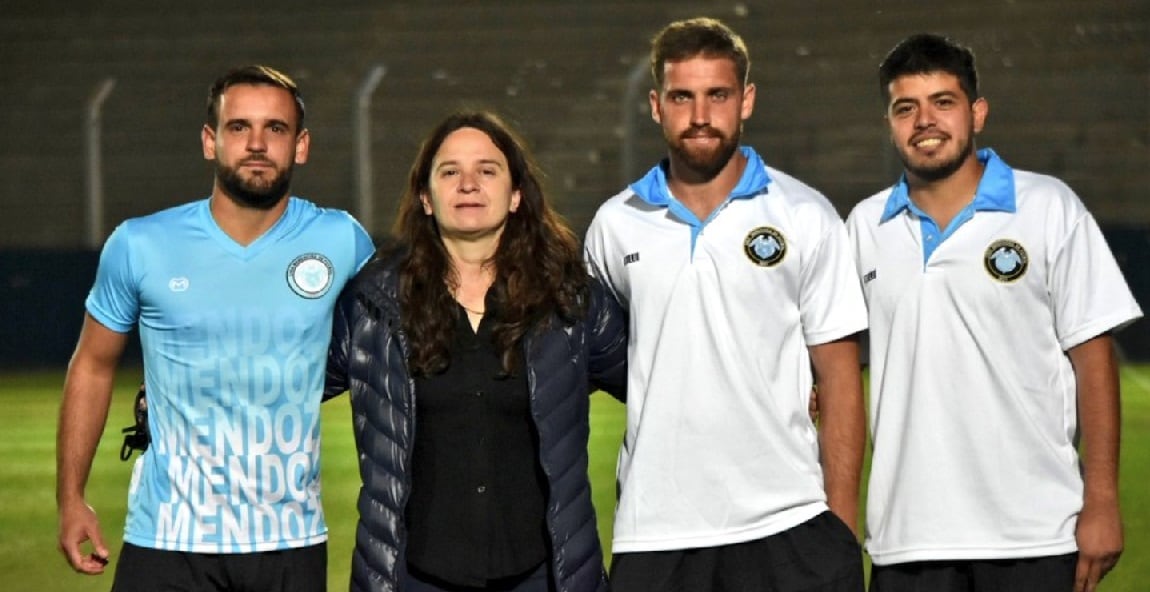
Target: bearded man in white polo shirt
739,279
992,296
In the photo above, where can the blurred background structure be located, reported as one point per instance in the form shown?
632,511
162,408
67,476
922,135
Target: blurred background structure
102,103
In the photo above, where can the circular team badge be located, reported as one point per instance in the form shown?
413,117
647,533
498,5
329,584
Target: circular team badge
765,246
1005,260
310,275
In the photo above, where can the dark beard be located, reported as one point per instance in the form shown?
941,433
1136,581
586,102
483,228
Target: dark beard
247,194
941,170
707,167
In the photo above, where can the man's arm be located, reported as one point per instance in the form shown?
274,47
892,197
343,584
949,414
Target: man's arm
83,413
842,424
1099,531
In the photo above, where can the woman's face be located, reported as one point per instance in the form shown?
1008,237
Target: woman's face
470,191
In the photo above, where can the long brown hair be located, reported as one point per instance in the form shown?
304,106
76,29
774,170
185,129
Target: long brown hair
539,271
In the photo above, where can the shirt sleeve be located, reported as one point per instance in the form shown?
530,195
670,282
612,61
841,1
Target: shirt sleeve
830,297
364,246
597,253
1088,291
114,300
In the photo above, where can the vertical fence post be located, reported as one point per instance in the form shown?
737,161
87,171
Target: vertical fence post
629,124
94,177
361,133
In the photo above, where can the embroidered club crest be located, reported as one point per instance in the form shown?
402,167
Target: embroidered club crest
765,246
1005,260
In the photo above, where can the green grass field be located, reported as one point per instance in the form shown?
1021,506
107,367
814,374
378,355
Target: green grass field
29,560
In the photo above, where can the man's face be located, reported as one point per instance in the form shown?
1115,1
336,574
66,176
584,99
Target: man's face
701,107
255,144
933,124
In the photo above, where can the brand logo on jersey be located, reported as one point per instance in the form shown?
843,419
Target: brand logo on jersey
765,246
178,284
310,275
631,258
1005,260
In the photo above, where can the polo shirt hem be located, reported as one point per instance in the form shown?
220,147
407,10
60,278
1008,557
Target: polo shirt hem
973,553
778,522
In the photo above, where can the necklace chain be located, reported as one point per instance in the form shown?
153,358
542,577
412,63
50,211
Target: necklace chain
471,310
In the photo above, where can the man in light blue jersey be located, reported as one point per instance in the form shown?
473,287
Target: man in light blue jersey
233,297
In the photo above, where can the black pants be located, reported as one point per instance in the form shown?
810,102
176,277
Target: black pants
819,555
140,569
538,580
1037,574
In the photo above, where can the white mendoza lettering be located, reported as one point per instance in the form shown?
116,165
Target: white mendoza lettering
173,528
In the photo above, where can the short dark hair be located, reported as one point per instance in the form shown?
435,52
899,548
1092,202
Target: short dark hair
701,36
925,53
253,74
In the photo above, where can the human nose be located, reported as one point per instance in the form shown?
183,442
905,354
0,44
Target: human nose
700,113
256,141
924,118
468,181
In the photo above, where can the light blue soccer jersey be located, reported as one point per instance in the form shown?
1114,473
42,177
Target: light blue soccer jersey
235,343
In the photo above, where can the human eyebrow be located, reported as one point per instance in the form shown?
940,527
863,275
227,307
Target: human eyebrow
946,94
236,122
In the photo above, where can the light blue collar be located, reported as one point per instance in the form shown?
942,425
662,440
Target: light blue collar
652,187
995,191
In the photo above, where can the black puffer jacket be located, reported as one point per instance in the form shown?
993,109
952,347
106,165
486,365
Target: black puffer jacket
368,353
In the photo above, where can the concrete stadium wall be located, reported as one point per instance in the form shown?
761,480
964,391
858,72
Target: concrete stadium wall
1068,82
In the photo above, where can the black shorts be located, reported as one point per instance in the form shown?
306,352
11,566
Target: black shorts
819,555
140,569
1035,574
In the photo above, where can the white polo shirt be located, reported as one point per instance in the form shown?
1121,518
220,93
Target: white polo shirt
972,396
719,447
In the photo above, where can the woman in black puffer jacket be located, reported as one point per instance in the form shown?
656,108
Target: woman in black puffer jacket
470,351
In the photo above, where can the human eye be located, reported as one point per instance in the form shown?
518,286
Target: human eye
901,110
720,95
945,102
680,98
